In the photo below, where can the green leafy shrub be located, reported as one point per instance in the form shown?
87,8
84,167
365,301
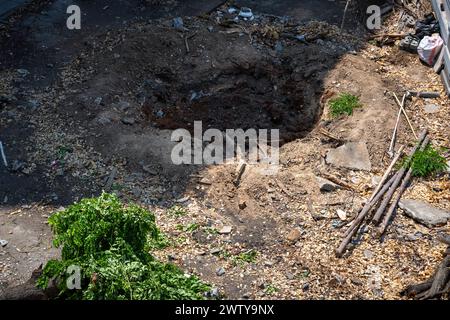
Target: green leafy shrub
426,163
110,243
344,104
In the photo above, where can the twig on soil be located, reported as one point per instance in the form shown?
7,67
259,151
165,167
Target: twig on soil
241,170
394,134
406,116
110,180
339,182
3,155
329,135
345,14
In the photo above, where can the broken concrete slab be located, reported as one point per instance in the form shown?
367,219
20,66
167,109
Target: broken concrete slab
352,155
424,213
326,185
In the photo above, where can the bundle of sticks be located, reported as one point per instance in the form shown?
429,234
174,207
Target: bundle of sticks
387,194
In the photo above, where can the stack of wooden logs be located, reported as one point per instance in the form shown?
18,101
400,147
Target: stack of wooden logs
387,194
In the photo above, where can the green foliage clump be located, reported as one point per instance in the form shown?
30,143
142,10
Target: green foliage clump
426,163
344,104
177,211
246,257
110,244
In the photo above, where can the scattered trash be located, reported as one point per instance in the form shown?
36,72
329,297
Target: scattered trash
410,44
429,49
3,243
178,23
23,72
160,114
427,27
301,38
232,10
246,13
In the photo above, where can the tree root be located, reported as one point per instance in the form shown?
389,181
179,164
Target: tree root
435,287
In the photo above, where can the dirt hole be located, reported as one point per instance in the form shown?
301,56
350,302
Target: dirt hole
260,96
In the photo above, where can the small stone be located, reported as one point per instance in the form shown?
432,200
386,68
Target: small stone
326,185
225,230
368,254
215,251
431,108
160,114
294,235
220,271
356,281
341,214
376,181
98,100
178,23
289,276
3,243
205,181
122,105
424,213
269,263
171,257
128,120
23,72
182,200
246,295
242,205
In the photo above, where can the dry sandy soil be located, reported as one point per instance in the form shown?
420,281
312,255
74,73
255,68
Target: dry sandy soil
114,106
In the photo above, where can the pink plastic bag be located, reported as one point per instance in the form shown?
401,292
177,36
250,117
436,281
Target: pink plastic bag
429,48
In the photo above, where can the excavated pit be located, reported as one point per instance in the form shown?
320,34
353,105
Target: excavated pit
261,96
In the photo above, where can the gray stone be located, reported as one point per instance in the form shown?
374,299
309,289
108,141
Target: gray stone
3,243
326,185
122,105
98,100
225,230
220,271
424,213
431,108
23,72
352,155
128,120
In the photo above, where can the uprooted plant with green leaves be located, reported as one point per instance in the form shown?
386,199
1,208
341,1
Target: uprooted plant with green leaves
426,162
111,244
